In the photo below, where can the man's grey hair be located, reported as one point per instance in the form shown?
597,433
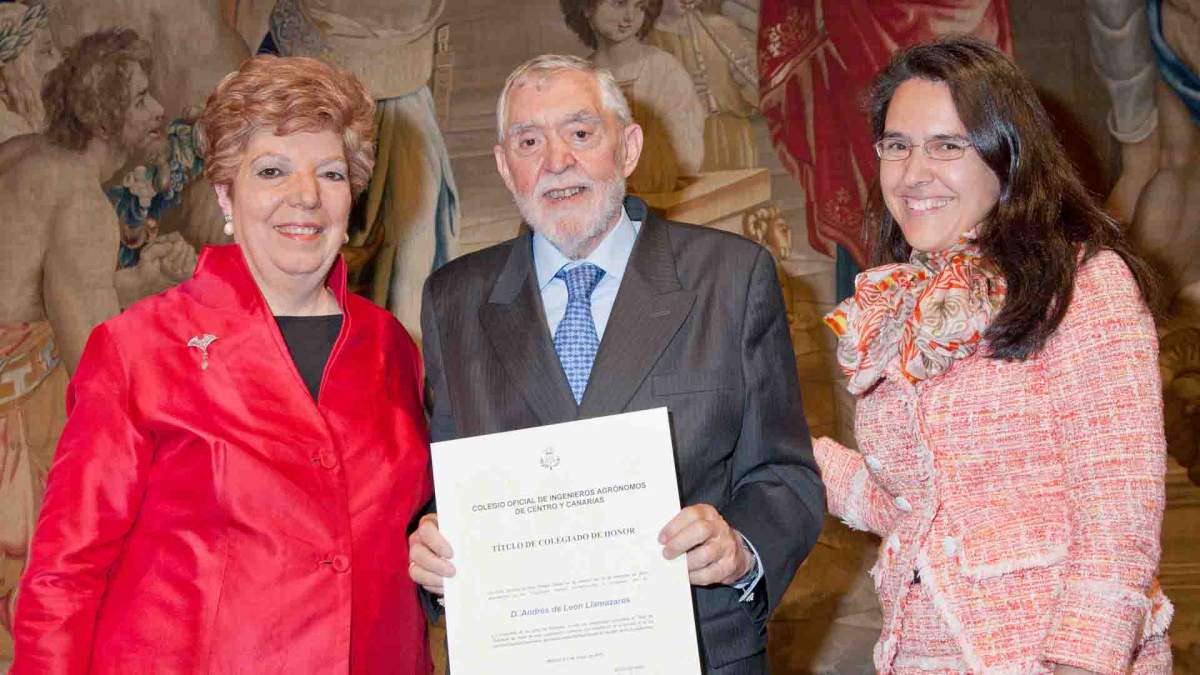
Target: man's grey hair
548,65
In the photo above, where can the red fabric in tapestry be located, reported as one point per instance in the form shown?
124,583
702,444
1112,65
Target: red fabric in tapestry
815,60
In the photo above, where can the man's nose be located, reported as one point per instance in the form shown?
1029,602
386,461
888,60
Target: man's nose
559,155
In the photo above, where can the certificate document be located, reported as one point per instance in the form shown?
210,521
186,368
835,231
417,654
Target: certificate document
555,538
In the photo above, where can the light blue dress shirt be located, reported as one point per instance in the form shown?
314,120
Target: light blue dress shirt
612,256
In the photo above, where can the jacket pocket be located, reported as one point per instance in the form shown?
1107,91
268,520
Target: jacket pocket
1001,539
690,382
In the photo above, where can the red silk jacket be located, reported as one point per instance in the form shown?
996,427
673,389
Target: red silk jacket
204,516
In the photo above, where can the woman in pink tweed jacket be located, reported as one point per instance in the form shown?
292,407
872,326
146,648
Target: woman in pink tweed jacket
1009,408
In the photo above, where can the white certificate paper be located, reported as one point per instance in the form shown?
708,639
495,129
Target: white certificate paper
555,538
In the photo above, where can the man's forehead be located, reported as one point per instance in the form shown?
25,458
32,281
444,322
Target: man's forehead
548,117
544,79
554,98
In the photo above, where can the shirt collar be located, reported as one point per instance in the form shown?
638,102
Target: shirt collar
612,255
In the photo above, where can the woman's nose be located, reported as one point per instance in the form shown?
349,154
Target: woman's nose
917,170
304,193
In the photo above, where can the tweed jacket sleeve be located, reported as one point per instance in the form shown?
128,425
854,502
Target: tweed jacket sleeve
1102,369
853,497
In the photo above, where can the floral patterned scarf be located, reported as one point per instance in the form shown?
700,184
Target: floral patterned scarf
923,315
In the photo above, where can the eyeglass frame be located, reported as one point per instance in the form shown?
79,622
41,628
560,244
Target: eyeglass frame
966,144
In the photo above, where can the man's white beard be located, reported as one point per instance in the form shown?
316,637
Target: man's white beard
574,231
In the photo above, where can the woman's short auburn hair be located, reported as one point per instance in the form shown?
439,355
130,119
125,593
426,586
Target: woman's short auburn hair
289,94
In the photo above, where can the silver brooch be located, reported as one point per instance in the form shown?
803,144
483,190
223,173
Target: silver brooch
202,342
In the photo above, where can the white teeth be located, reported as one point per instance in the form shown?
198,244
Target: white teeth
563,193
297,229
926,204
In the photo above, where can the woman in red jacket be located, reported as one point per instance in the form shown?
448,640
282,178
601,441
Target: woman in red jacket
1009,410
243,452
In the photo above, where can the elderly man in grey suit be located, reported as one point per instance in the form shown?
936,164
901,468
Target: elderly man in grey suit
603,307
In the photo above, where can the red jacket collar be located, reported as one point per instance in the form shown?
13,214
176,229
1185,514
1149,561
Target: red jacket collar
225,278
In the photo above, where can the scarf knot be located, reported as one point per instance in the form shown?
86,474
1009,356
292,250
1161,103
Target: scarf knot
922,315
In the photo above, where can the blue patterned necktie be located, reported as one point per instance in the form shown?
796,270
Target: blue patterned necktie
576,340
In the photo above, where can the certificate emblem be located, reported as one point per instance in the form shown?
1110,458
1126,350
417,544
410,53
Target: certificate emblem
550,459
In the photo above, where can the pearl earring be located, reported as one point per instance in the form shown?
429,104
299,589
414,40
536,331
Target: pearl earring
228,229
346,238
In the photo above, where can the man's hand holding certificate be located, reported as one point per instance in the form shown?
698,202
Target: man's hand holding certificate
558,564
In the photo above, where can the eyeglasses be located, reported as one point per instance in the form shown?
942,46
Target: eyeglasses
942,149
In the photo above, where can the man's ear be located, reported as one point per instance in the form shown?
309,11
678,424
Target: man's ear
632,137
223,199
502,167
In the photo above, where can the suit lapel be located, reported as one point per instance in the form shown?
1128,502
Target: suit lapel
515,325
650,307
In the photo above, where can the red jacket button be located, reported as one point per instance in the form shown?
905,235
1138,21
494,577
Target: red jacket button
325,458
341,564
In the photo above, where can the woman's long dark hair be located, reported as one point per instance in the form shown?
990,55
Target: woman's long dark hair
1045,217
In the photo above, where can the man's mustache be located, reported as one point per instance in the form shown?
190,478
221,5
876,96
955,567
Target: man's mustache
561,183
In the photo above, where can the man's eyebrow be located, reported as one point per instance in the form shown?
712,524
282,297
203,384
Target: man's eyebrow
894,134
521,127
584,117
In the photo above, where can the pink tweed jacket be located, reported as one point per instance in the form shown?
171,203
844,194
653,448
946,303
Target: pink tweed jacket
1029,495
